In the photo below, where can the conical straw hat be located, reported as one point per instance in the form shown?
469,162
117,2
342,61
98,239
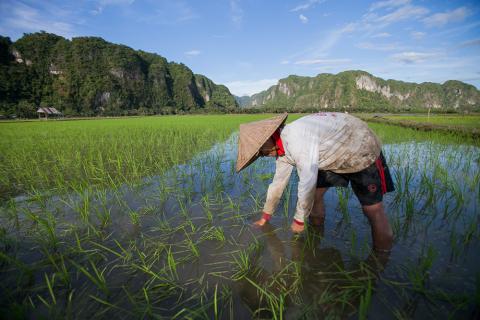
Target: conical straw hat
252,137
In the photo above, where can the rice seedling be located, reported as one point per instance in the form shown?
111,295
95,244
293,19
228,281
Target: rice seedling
96,276
344,195
365,301
242,264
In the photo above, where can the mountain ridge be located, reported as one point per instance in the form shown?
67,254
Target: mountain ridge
358,90
90,76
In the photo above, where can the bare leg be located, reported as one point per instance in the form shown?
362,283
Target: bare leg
382,235
317,216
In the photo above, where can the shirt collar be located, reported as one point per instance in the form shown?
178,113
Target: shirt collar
278,143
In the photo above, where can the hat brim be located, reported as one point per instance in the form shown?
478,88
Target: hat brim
252,137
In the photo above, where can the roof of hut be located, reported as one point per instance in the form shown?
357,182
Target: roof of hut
48,110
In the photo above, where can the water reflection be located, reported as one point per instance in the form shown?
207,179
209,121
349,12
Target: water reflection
308,274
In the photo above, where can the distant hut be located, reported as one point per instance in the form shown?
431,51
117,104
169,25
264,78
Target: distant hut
45,112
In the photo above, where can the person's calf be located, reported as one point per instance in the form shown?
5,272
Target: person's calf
382,235
317,216
316,220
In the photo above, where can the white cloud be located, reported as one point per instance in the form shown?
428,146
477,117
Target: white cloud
236,13
402,13
285,62
192,53
19,18
377,46
348,28
322,61
303,18
388,4
249,87
307,5
417,35
413,57
101,4
382,35
459,30
332,38
441,19
471,43
322,47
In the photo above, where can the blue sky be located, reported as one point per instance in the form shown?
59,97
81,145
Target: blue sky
249,45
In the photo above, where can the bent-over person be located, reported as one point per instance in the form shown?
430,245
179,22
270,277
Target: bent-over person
328,149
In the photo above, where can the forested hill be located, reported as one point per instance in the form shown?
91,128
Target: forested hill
90,76
361,91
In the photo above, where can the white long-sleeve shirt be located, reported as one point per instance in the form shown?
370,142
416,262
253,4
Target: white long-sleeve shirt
331,141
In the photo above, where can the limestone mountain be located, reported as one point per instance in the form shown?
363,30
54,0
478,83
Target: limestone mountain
361,91
90,76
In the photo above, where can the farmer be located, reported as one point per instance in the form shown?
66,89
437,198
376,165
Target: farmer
329,150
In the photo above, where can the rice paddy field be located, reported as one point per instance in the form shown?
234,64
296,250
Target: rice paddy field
145,218
465,121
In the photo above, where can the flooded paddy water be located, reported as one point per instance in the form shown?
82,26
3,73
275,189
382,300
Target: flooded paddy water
182,245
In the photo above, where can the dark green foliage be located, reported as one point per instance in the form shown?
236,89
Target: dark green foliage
89,76
341,92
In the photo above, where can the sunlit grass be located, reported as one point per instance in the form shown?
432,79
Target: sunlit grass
467,121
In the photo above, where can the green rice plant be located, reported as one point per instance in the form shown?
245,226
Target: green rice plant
122,254
215,303
244,262
353,242
134,217
206,207
419,275
108,306
50,283
276,302
429,190
471,231
183,208
97,277
214,233
410,202
365,301
257,201
286,202
104,216
58,263
344,195
232,204
47,223
171,263
102,212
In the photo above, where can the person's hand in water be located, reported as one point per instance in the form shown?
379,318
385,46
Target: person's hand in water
263,220
297,228
260,222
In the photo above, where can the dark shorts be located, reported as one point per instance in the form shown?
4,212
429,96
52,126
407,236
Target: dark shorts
369,185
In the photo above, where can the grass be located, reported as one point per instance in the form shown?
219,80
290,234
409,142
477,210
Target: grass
465,126
74,154
145,218
469,121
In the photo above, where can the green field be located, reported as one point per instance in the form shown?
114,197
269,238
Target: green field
146,218
469,121
43,155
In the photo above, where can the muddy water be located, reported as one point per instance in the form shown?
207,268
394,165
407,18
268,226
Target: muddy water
200,215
